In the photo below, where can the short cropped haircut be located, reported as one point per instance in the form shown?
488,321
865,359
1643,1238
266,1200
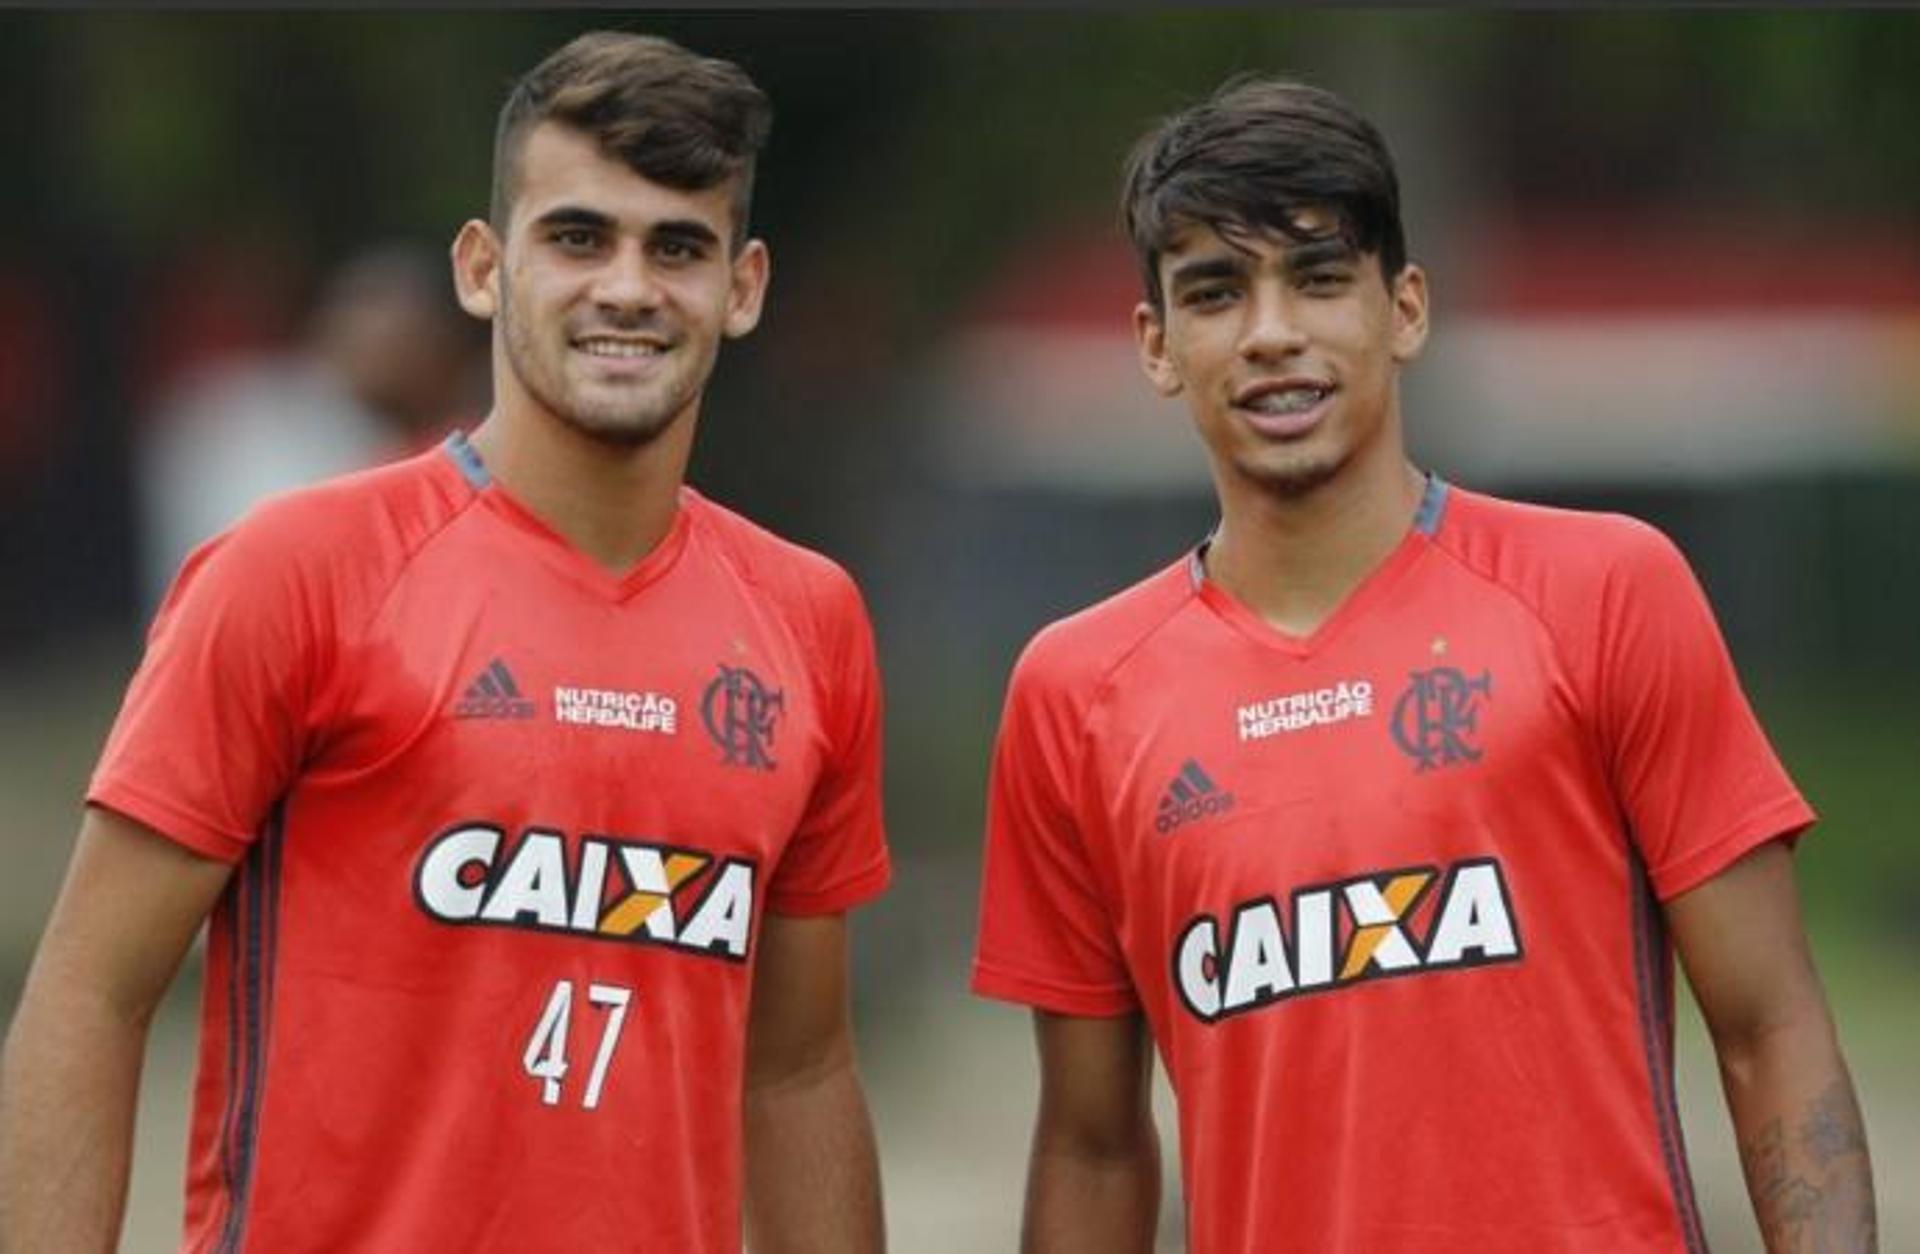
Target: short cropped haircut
1250,157
680,119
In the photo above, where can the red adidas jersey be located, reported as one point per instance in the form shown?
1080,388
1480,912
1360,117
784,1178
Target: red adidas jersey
1388,894
506,825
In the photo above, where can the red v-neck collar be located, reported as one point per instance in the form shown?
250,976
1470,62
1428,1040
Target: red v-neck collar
1375,585
556,550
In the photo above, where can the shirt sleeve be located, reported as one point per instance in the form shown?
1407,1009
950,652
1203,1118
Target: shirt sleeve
837,857
1698,780
1046,937
214,723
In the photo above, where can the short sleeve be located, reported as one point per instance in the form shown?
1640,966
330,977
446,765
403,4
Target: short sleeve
1046,937
837,857
215,721
1698,780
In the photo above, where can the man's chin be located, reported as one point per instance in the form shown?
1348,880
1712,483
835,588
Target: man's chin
620,431
1291,478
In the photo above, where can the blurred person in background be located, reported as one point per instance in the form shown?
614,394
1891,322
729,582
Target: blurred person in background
387,366
1382,812
525,787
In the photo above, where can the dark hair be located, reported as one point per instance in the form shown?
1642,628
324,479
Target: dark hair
684,120
1252,156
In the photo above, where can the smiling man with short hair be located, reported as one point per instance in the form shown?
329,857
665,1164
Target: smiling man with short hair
526,788
1381,812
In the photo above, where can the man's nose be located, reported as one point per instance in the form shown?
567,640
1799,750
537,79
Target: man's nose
1272,327
627,282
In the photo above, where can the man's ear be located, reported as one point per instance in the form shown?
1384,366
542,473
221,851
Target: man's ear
748,293
476,268
1409,313
1150,338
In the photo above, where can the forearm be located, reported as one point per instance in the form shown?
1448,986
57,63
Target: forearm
1803,1145
67,1098
813,1175
1083,1201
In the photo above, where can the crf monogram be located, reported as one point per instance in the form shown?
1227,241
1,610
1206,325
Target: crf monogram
739,713
1433,716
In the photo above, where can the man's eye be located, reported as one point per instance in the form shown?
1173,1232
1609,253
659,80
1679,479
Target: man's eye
1323,280
677,250
574,238
1207,297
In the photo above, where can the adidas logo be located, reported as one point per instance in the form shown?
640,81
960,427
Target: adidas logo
1192,795
493,695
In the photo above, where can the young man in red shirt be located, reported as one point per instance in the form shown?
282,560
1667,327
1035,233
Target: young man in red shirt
1382,812
526,788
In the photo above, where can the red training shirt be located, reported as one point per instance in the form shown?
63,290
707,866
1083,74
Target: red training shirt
505,826
1387,894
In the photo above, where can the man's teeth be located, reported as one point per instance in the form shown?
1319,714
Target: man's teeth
1287,401
620,348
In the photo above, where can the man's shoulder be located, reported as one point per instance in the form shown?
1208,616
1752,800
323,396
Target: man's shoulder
367,523
1547,528
1077,653
1546,553
762,556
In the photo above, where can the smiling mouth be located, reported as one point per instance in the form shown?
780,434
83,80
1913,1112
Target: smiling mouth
618,349
1297,399
1284,411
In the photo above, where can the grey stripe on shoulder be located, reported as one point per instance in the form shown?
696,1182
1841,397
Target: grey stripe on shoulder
467,458
1197,560
1433,505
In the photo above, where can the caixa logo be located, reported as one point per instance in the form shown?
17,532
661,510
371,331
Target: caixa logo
1365,928
613,890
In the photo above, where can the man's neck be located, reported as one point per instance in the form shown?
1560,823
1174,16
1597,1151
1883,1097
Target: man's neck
612,503
1294,559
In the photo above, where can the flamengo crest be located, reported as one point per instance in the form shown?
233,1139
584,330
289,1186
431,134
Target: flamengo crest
740,713
1435,715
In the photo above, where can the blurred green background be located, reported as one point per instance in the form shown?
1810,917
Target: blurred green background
1676,259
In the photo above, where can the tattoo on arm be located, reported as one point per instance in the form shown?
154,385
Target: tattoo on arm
1833,1126
1821,1202
1782,1201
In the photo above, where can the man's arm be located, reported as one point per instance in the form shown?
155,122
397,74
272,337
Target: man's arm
813,1175
1802,1143
1093,1181
130,906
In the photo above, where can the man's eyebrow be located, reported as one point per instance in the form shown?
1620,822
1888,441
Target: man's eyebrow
1203,269
574,215
688,230
1320,252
